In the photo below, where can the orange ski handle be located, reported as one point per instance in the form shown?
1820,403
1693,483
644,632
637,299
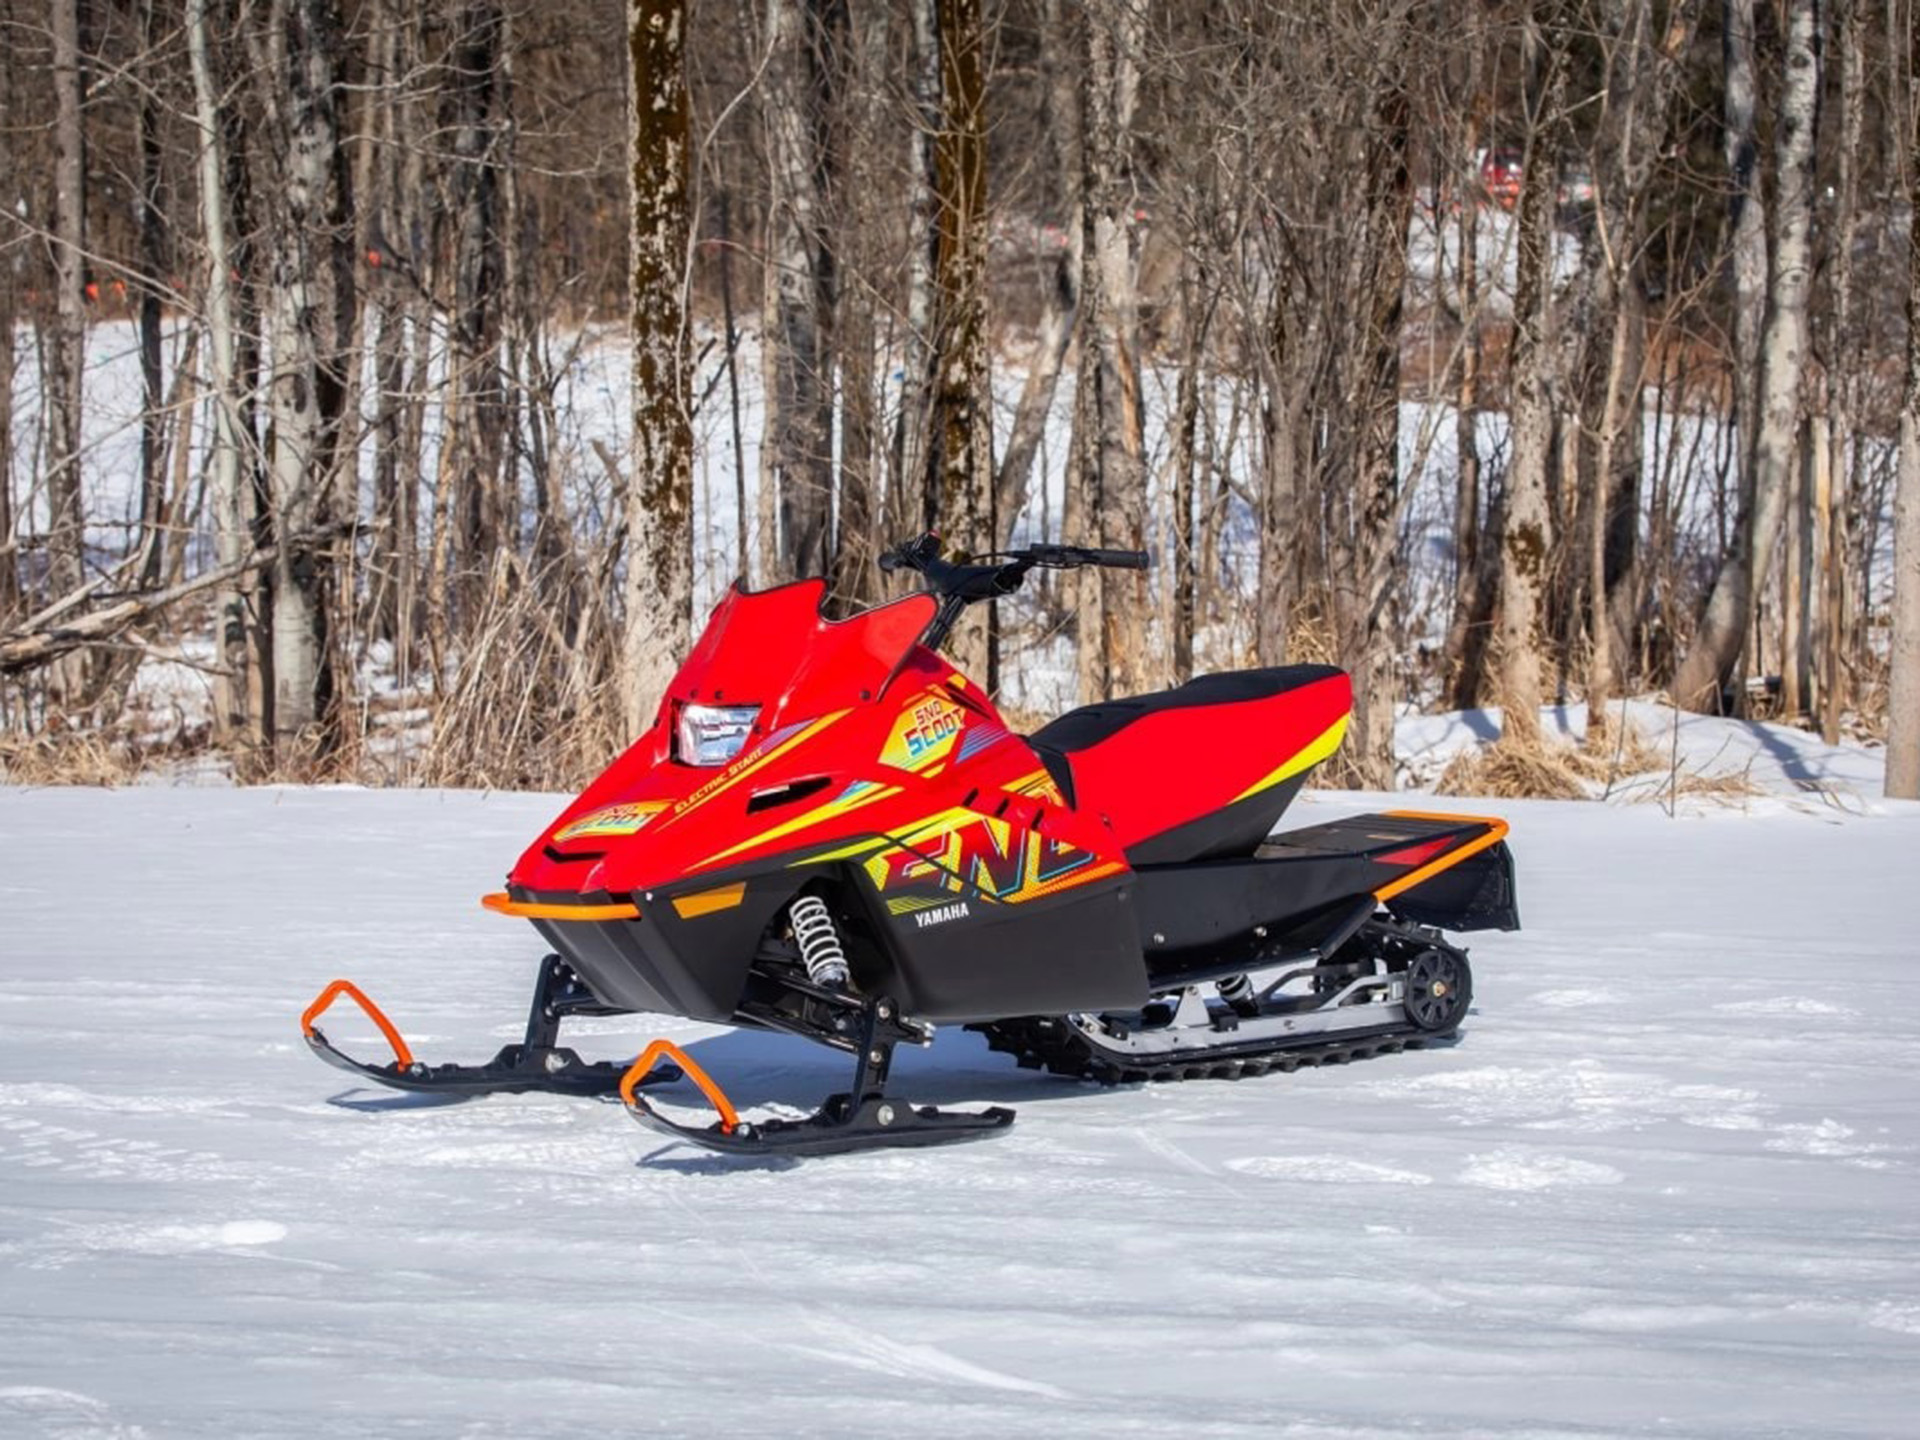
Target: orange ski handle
401,1054
666,1050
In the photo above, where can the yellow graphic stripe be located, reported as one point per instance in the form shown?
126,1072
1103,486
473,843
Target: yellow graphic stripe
845,852
832,810
1316,752
727,782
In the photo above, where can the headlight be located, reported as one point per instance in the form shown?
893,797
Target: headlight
713,734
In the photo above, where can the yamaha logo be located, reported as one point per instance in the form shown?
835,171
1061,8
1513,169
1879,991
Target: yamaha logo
940,914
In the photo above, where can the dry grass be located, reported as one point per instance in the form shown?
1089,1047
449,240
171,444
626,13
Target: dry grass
1518,770
69,757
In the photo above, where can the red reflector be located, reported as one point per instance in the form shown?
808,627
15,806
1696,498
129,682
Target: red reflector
1417,854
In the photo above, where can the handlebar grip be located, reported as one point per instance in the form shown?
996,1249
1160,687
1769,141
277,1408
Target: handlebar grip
889,561
1120,559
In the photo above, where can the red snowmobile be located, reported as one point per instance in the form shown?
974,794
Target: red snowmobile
831,833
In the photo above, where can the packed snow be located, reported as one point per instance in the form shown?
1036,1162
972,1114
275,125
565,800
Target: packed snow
1663,1185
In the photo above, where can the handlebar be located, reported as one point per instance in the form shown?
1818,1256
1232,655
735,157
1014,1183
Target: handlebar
960,584
999,574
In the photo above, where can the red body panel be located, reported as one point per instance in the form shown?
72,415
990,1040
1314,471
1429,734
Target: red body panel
885,735
863,732
1171,767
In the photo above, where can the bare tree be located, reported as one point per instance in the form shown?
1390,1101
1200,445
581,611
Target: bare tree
963,415
659,587
1061,129
9,269
310,325
235,718
474,101
858,129
912,494
1846,347
1713,663
1114,655
1641,76
1903,694
62,386
797,459
1527,532
1746,212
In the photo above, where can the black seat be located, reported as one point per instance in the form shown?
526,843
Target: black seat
1090,724
1087,726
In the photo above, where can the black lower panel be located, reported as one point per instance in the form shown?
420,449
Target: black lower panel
1078,951
1302,882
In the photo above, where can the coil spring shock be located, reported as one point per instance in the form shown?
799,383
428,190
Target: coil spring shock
1237,991
819,943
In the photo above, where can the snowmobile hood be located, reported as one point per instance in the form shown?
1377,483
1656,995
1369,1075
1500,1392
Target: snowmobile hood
861,730
775,649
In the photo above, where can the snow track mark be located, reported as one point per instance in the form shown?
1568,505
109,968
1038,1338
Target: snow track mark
1513,1167
1326,1170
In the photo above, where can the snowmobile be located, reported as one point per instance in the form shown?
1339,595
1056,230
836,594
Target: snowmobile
829,832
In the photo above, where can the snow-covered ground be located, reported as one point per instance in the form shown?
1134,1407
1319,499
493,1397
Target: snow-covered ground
1664,1185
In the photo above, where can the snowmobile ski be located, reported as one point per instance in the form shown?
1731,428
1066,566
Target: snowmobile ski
864,1118
537,1064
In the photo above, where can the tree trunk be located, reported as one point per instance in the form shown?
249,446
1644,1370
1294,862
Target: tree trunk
473,118
1061,119
66,357
1848,357
153,272
1643,68
1712,668
857,139
235,718
1527,532
1279,510
912,492
1192,392
1467,570
310,322
963,403
1903,690
799,286
9,554
1120,663
659,587
1366,580
1746,220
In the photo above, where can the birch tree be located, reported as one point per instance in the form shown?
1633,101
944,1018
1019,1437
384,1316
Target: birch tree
9,268
659,584
1712,667
1903,691
229,499
310,326
1113,604
798,289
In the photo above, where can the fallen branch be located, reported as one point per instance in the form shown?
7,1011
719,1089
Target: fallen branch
32,646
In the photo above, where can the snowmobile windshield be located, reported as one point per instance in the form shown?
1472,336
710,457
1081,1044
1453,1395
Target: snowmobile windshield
774,649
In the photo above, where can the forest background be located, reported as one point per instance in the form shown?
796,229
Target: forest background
390,384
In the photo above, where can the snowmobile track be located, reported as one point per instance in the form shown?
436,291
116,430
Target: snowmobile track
1045,1042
